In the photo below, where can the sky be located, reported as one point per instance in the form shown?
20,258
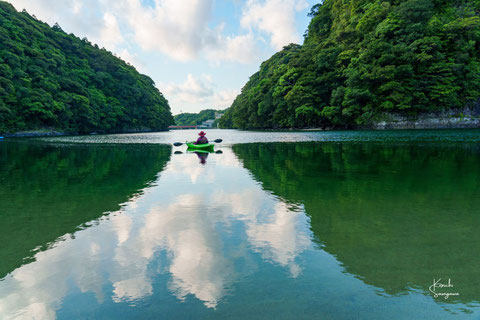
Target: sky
200,53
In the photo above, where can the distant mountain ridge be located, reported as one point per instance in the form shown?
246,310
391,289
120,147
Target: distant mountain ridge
50,80
363,60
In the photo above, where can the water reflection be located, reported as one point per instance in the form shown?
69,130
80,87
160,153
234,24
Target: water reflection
396,216
193,228
202,156
47,191
220,240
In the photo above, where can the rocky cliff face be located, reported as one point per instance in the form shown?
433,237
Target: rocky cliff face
450,119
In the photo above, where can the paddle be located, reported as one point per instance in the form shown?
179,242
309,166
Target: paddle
178,144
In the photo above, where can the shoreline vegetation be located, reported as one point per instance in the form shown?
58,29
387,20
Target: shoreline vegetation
381,66
467,119
419,124
53,133
370,64
195,119
54,80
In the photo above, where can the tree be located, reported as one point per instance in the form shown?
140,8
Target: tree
49,79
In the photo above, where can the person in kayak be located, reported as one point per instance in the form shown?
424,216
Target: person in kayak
202,139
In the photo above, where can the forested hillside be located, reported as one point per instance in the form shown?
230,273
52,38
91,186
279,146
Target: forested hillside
56,81
362,59
192,119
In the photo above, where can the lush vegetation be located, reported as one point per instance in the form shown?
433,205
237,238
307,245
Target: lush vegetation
362,59
50,79
192,119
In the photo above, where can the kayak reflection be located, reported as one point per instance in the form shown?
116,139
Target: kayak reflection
202,156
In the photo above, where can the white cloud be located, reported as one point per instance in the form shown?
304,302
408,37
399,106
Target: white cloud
110,35
180,29
241,49
177,28
274,17
192,90
199,91
89,18
77,5
223,99
133,59
41,9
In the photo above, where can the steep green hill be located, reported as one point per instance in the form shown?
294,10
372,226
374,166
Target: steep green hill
50,79
362,59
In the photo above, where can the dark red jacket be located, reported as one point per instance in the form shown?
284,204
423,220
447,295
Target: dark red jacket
202,140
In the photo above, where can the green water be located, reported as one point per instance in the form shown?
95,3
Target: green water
347,226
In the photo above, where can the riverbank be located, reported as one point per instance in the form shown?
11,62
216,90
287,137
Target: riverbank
468,118
34,133
389,122
53,133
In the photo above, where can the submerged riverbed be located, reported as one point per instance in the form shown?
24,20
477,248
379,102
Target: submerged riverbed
323,225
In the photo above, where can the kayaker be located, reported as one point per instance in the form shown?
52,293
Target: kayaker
202,139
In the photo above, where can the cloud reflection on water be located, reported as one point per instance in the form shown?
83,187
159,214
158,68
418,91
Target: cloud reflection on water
187,215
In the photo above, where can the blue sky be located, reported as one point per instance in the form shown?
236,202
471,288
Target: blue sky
200,53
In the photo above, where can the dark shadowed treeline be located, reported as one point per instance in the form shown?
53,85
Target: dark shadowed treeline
362,59
50,79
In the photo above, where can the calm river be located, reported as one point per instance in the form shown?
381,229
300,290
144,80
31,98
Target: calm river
289,225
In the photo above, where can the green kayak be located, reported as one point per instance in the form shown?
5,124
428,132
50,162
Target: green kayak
205,146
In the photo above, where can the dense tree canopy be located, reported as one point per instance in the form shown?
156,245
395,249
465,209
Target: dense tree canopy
364,58
50,79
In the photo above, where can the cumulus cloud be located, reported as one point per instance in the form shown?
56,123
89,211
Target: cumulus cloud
224,98
192,90
199,91
88,18
133,59
180,29
274,17
77,5
110,35
241,48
